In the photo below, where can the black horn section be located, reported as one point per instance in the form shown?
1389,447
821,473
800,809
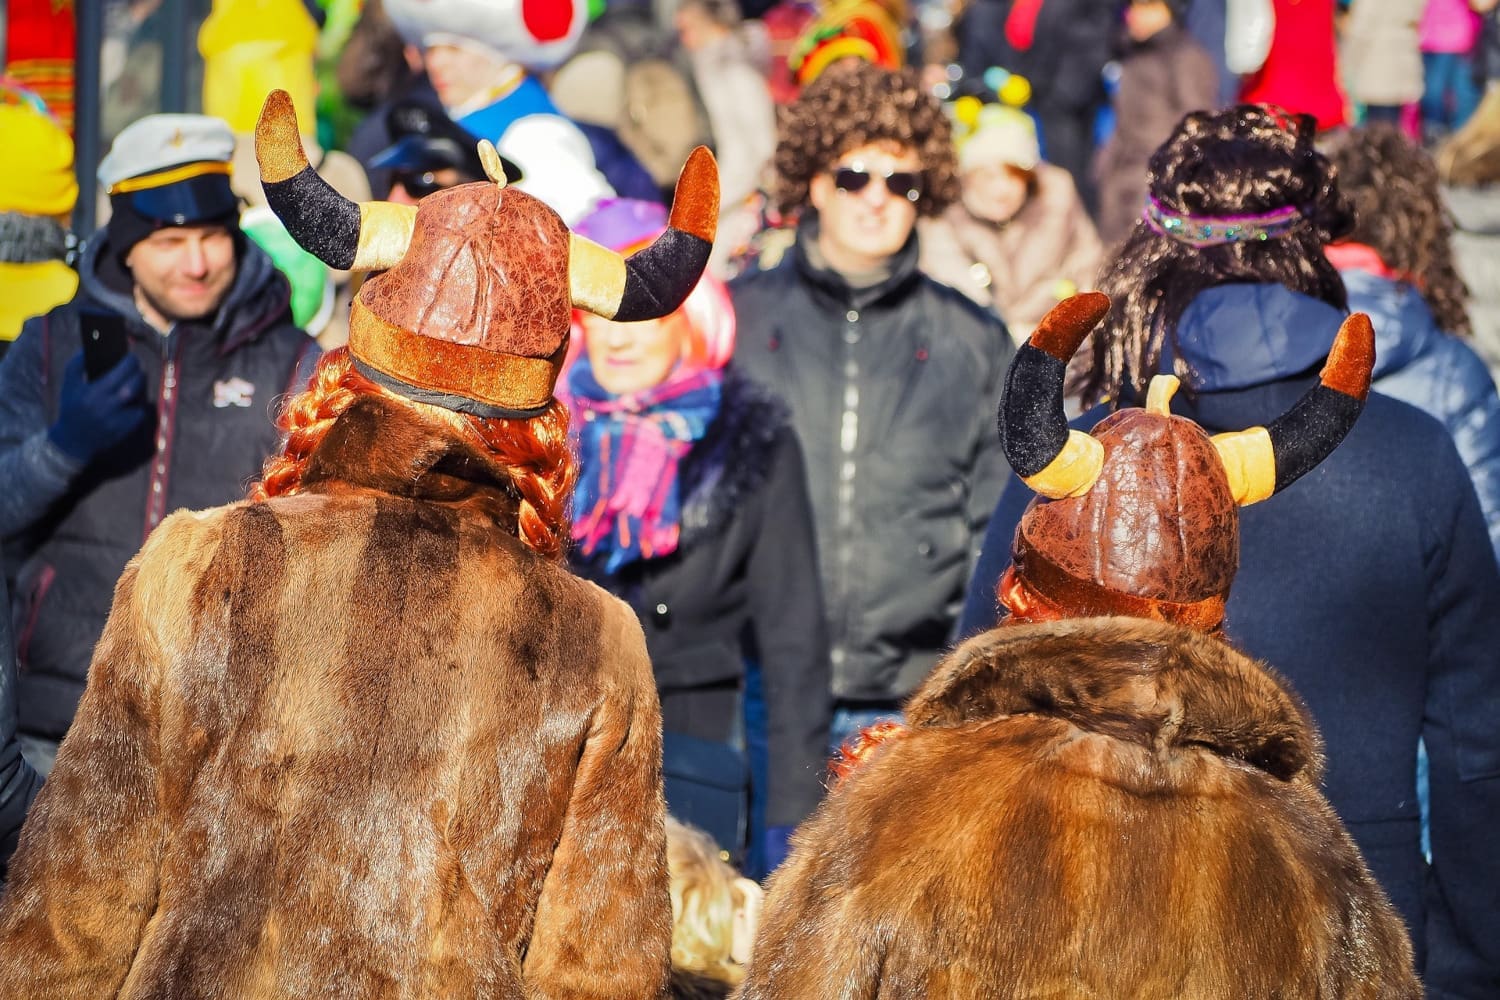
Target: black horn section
659,277
1033,426
322,221
1307,433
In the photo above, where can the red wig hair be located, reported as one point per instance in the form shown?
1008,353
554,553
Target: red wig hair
534,452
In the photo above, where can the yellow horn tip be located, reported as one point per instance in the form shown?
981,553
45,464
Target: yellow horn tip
490,157
1159,394
278,145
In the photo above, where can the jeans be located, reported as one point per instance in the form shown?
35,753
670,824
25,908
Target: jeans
1451,93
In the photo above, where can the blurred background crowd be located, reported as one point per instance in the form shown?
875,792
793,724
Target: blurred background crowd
770,477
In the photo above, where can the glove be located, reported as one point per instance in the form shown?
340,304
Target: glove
776,844
94,417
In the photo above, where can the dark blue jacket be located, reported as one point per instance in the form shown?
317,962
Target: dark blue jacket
69,530
1371,585
18,782
1436,372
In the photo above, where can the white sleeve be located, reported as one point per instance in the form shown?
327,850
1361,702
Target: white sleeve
557,164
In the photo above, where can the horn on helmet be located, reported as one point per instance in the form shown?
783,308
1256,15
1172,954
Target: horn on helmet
655,280
1263,461
1050,458
342,234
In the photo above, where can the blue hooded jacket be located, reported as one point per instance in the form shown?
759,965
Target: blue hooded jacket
1370,585
1434,371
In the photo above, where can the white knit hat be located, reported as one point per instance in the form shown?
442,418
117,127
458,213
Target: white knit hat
1002,135
537,34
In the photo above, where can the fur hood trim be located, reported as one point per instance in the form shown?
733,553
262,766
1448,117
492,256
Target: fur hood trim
1149,683
732,460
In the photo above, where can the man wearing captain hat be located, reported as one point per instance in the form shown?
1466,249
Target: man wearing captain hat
191,345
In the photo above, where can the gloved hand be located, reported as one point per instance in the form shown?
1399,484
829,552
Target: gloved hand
776,844
94,417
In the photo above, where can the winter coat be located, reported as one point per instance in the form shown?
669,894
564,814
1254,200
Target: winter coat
18,782
1106,807
1161,80
70,530
1371,585
1438,373
893,390
745,566
1021,268
1067,55
1449,26
360,743
1300,74
1380,52
1476,255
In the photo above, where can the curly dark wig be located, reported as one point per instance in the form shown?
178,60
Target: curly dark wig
1245,160
1399,212
854,103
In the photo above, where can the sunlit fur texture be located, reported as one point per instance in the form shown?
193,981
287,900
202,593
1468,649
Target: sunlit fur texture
1099,808
531,458
358,742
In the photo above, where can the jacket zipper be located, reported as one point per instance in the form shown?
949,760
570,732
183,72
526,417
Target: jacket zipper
166,418
847,472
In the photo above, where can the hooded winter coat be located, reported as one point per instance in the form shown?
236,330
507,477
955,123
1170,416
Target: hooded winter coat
358,743
1025,266
1434,371
70,529
1105,807
1370,583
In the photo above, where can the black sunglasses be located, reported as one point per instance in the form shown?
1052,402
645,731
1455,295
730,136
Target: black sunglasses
418,185
900,183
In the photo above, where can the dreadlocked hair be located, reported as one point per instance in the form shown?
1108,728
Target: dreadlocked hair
854,103
1399,213
1246,160
533,453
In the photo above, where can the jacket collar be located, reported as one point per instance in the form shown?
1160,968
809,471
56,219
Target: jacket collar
830,282
1238,336
259,298
386,446
1145,682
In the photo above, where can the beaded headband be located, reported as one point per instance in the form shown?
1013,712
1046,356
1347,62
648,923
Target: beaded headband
1217,230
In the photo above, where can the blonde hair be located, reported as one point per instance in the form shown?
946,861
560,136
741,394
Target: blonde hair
705,897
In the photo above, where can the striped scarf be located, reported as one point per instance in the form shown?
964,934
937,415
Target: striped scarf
627,506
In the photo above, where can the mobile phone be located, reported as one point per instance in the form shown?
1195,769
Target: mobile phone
105,342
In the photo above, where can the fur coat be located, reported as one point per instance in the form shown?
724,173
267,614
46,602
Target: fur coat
1105,807
354,743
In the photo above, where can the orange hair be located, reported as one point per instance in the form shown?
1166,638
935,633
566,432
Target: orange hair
861,746
534,452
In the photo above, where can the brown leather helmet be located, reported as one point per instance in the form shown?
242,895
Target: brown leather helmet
472,310
1141,516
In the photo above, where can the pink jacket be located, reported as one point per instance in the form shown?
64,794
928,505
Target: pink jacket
1449,26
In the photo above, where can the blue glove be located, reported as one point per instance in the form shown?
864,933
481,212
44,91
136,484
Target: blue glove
94,417
776,844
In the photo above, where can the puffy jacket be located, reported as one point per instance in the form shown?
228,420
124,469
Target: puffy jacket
69,530
1419,364
1368,585
1476,254
893,390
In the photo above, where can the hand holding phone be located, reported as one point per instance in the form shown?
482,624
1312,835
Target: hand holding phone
105,342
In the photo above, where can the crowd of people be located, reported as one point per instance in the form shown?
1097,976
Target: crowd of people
451,521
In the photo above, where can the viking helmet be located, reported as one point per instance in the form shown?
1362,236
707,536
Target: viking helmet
472,310
1140,517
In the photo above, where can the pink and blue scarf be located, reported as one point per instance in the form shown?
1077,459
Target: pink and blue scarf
627,506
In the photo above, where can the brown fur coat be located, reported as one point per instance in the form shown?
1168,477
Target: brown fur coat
357,743
1098,808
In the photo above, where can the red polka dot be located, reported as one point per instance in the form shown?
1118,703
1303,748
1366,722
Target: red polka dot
547,20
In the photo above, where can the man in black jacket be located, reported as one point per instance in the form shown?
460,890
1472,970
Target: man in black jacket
883,369
204,346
